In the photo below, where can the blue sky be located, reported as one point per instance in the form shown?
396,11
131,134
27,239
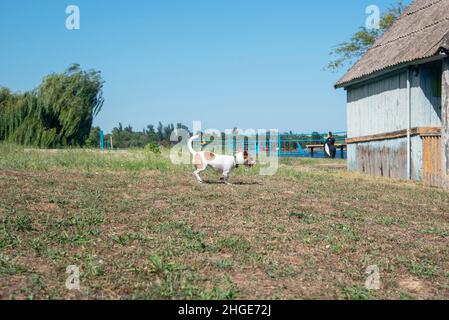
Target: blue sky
245,63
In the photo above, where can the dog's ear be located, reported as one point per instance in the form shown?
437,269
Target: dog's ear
246,154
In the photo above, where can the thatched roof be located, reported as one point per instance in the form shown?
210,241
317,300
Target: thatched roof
421,32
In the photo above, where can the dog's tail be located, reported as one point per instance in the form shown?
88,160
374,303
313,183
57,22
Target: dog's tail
190,144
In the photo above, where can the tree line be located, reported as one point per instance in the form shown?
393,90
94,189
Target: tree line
126,137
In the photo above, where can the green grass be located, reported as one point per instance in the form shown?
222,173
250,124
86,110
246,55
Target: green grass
9,267
21,158
223,264
304,217
356,293
424,268
139,227
435,231
234,244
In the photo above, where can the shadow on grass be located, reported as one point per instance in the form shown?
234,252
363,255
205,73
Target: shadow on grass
238,183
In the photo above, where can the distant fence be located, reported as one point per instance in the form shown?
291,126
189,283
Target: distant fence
287,145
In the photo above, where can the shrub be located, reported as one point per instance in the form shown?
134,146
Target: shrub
153,148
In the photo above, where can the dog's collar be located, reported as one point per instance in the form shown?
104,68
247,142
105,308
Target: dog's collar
236,164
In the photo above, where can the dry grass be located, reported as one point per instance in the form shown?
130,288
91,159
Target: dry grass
140,232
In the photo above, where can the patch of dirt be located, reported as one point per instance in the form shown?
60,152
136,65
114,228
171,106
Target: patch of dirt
256,284
415,287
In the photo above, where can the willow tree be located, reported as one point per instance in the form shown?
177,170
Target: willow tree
58,113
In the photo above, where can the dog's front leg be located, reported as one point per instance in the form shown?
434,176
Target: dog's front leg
200,166
225,177
197,175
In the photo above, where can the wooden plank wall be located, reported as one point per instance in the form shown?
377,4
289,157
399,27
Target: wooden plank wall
380,105
387,159
432,170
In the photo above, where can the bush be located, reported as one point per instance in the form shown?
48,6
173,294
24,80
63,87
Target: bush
153,148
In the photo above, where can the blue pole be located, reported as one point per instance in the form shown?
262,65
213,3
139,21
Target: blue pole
101,140
279,145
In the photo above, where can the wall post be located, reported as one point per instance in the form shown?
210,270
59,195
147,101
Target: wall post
409,124
445,124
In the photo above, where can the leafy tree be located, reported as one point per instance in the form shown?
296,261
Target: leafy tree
347,52
58,113
94,138
150,129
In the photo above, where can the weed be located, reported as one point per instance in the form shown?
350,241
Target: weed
355,293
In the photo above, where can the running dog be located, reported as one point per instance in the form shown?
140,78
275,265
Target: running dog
222,164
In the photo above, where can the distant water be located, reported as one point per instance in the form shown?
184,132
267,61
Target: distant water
316,154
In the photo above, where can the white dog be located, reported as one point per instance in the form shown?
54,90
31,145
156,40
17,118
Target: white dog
223,164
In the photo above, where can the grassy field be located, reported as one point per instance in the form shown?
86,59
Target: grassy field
141,228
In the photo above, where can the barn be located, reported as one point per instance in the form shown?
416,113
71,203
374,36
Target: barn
397,99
